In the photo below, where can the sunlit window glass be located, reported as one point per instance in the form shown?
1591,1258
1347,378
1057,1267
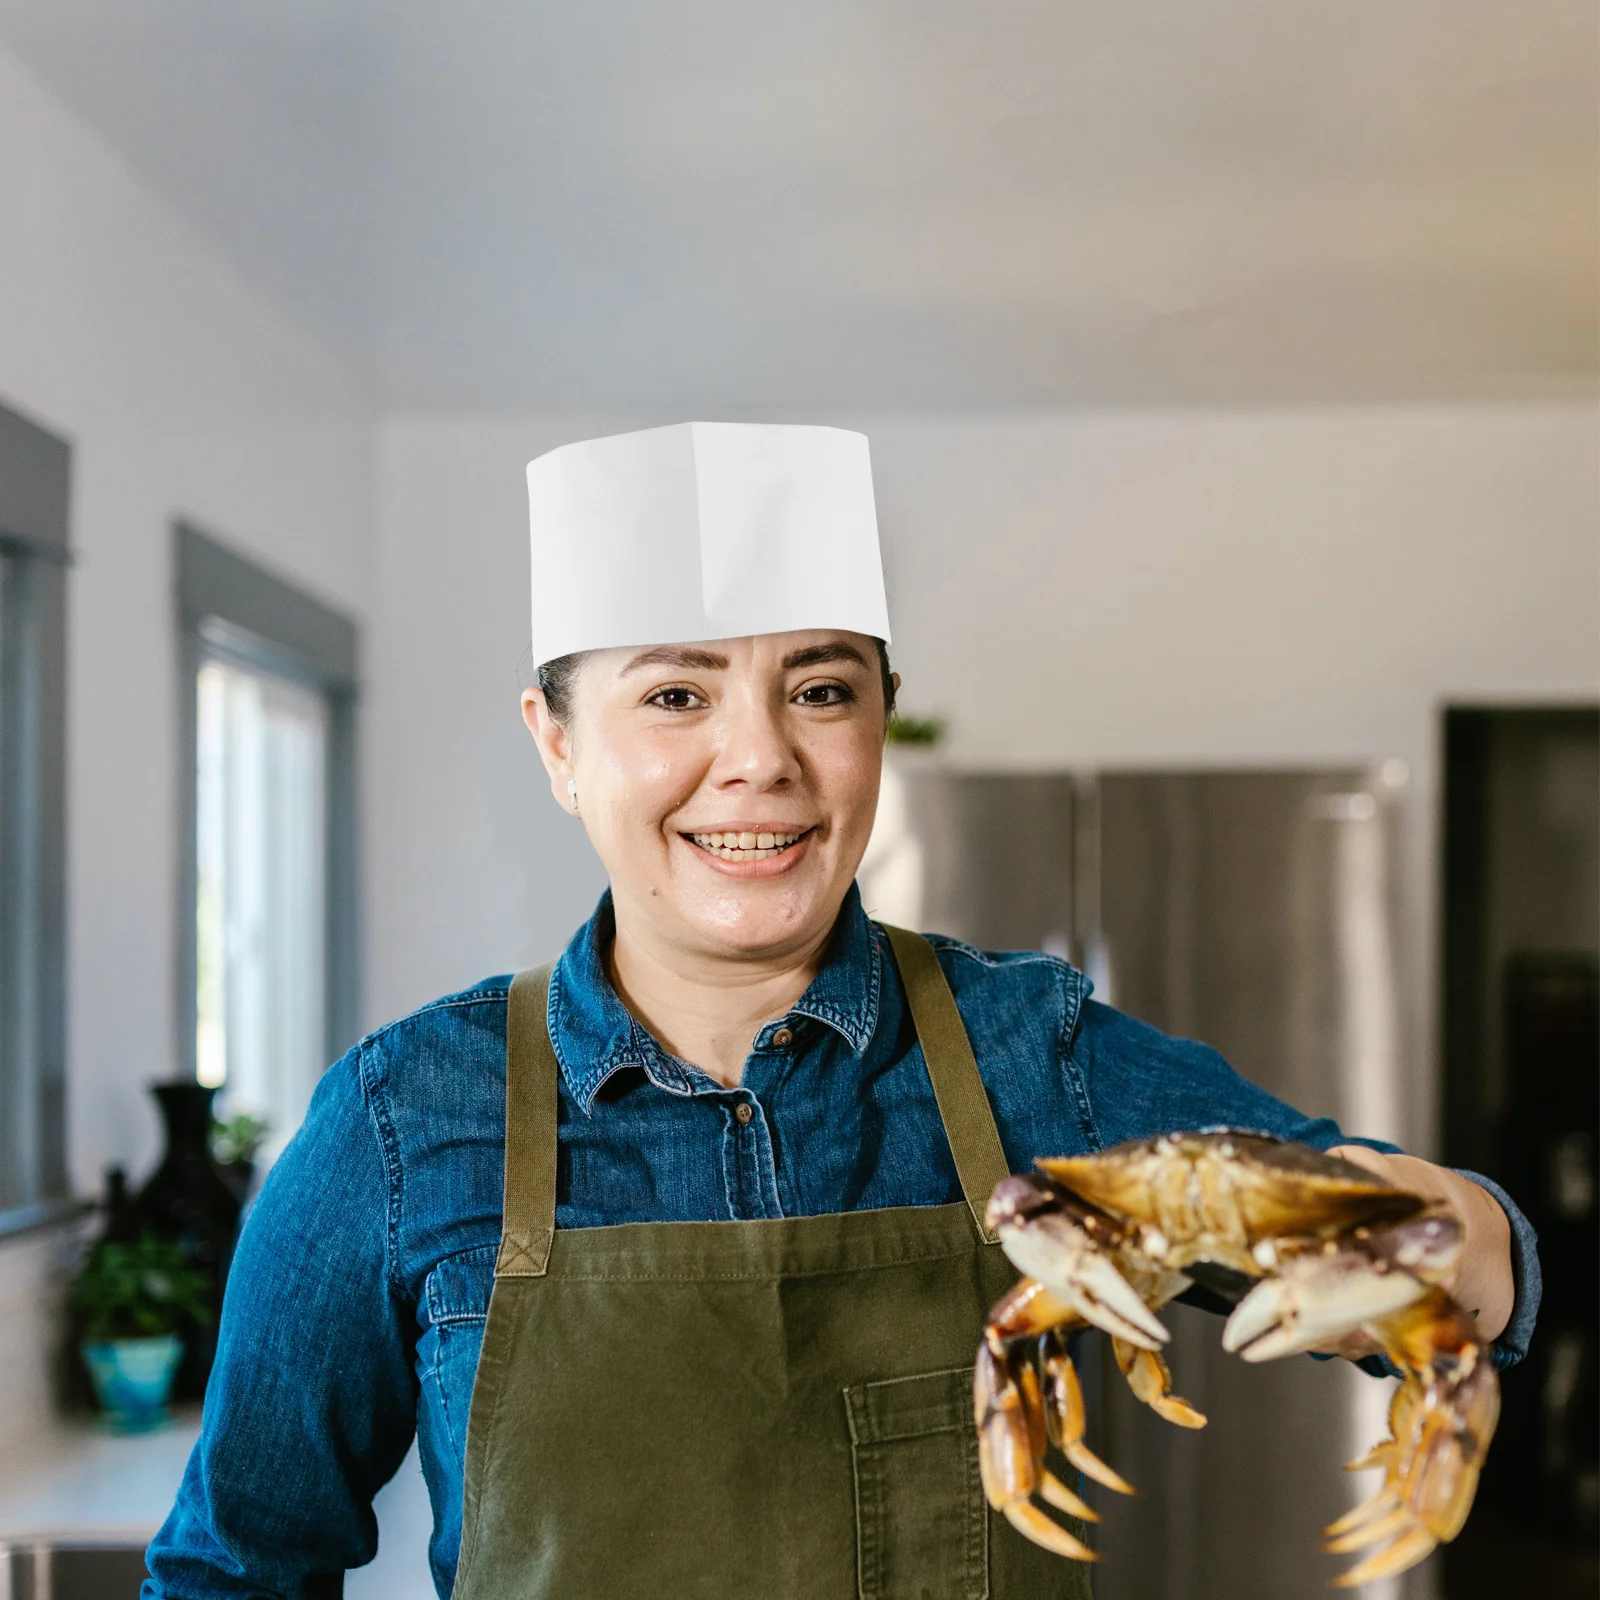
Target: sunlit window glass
261,902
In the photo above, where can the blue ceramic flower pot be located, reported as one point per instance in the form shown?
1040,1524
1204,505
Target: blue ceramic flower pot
132,1378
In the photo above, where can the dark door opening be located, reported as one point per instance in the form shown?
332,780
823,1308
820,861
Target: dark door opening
1521,1036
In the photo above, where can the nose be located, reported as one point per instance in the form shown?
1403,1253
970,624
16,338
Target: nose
755,748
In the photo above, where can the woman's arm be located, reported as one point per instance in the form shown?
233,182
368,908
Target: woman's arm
1483,1281
1139,1082
311,1405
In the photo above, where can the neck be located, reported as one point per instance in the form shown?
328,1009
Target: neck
704,1008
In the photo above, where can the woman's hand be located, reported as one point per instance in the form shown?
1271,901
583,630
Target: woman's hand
1482,1281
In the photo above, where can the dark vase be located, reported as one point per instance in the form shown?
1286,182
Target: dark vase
189,1199
121,1225
240,1176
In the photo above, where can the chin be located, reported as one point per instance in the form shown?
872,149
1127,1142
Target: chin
756,924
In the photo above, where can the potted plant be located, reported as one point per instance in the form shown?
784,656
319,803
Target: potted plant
917,733
234,1144
134,1301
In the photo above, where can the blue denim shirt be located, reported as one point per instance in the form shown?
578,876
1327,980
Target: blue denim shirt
356,1305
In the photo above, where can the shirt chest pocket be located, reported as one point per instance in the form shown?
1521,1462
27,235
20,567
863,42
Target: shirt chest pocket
455,1300
458,1288
922,1525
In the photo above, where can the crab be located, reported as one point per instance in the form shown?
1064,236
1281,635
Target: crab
1308,1246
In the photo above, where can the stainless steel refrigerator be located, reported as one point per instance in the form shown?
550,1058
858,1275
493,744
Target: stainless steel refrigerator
1254,910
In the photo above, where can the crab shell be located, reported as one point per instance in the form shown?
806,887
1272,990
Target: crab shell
1218,1194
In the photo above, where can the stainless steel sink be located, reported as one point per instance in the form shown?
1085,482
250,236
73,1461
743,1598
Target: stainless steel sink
70,1569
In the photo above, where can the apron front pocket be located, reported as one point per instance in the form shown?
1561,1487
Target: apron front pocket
922,1525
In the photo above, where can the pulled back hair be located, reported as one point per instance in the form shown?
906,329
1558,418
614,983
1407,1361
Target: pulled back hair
556,679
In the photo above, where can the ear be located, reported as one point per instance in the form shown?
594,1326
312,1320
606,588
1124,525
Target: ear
553,743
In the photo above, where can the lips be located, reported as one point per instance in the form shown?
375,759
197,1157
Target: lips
746,844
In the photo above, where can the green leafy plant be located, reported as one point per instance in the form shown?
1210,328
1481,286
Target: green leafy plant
923,731
238,1139
139,1291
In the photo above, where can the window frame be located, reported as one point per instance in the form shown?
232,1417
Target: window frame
275,625
35,509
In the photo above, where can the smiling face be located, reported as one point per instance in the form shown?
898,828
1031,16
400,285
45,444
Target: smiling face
728,787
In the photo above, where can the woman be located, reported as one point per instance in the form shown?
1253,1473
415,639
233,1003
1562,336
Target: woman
777,1404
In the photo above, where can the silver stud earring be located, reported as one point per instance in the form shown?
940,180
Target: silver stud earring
572,792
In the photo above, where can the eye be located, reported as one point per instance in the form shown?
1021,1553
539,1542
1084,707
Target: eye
675,697
824,694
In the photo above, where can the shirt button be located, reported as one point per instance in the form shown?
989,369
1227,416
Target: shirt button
783,1038
744,1111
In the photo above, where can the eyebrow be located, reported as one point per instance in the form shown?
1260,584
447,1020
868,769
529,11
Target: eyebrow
694,659
815,655
677,655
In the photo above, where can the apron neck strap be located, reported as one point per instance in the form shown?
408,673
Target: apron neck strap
957,1086
532,1073
529,1207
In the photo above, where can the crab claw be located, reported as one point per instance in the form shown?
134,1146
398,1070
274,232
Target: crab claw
1315,1297
1333,1288
1060,1255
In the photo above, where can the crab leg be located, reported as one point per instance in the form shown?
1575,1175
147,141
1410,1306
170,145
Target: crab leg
1150,1378
1383,1502
1442,1419
1026,1310
1056,1493
1380,1530
1403,1553
1380,1455
1009,1410
1064,1416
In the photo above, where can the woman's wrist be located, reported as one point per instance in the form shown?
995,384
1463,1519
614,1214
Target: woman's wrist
1483,1281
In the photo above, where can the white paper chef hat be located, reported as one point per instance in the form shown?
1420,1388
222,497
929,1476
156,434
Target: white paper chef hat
704,530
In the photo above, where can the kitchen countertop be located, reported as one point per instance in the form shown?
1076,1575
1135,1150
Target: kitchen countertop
79,1482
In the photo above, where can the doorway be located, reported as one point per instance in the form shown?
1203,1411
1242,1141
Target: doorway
1521,1038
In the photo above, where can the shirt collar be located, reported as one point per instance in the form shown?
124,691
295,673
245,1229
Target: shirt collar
595,1035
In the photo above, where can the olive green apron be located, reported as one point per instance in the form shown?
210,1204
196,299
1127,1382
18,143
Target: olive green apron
728,1409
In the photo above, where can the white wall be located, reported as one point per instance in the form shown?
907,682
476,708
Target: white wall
1143,588
181,392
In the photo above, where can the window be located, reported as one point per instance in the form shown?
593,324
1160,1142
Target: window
269,887
35,472
260,892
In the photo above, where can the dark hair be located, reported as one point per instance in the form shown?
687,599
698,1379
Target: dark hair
557,677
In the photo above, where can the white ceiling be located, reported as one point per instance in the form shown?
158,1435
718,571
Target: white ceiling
736,205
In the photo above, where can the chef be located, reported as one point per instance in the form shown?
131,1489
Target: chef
670,1257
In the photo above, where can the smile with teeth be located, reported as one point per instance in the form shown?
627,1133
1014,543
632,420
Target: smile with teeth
746,846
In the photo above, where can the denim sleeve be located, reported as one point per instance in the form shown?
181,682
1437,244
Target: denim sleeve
311,1404
1138,1082
1512,1345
